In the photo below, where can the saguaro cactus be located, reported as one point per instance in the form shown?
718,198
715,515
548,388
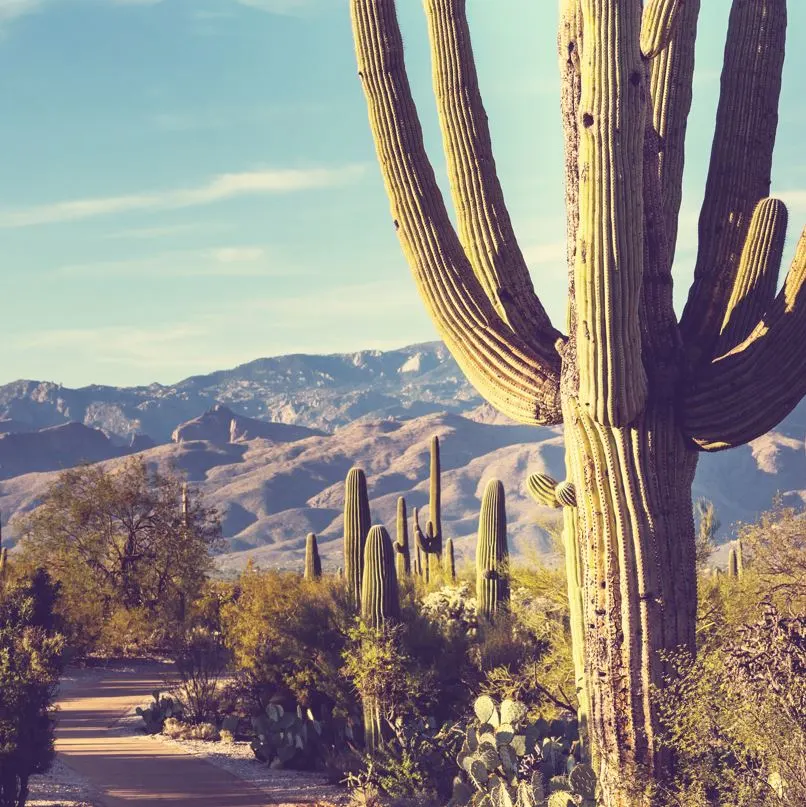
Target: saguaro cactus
402,553
435,501
640,392
380,600
313,564
450,561
3,556
356,527
492,553
380,604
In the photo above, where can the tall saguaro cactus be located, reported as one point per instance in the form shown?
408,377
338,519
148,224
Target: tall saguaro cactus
356,527
402,551
313,563
492,553
639,391
380,604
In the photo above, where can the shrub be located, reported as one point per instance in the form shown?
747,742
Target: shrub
161,709
30,666
200,663
179,730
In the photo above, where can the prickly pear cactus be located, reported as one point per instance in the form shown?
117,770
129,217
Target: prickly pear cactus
506,759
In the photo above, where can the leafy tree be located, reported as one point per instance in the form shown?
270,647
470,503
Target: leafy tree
30,666
128,548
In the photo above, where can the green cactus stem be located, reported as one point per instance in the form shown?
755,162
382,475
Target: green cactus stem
450,561
313,564
380,600
421,541
356,527
402,552
492,553
380,605
435,502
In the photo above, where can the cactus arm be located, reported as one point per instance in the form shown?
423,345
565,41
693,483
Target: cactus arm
403,554
519,378
658,25
671,75
485,229
610,240
541,488
757,277
740,166
749,390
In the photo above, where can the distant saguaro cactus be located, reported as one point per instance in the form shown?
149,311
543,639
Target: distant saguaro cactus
450,561
402,552
639,391
736,560
380,600
380,605
3,556
313,564
435,501
492,553
356,527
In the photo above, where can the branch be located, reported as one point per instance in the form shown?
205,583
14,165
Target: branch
519,378
747,392
671,74
757,276
485,229
610,240
741,162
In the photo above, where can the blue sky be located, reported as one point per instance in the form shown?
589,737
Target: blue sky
187,185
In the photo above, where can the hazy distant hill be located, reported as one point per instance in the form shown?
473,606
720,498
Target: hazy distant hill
321,392
274,483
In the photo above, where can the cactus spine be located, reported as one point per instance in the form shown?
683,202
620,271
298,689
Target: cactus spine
313,565
402,553
356,527
450,561
638,391
380,604
492,553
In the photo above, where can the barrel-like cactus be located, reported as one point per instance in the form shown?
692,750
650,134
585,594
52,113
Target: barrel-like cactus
313,564
450,561
380,600
492,553
639,391
356,527
402,551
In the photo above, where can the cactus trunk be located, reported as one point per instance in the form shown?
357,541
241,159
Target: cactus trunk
380,605
635,532
356,527
492,553
313,564
450,561
402,552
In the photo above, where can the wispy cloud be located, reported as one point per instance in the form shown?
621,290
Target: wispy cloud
218,189
149,233
11,9
288,7
225,261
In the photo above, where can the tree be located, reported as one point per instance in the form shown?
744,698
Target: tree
30,666
127,541
639,392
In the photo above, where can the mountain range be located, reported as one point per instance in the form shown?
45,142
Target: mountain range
270,442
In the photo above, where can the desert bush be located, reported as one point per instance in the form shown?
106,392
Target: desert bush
179,730
287,636
200,661
30,666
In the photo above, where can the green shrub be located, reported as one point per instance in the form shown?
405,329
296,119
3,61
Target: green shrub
30,666
161,709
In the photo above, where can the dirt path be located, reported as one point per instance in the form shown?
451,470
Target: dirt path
137,771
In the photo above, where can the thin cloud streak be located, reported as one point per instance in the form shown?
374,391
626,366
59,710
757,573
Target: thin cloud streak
218,189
